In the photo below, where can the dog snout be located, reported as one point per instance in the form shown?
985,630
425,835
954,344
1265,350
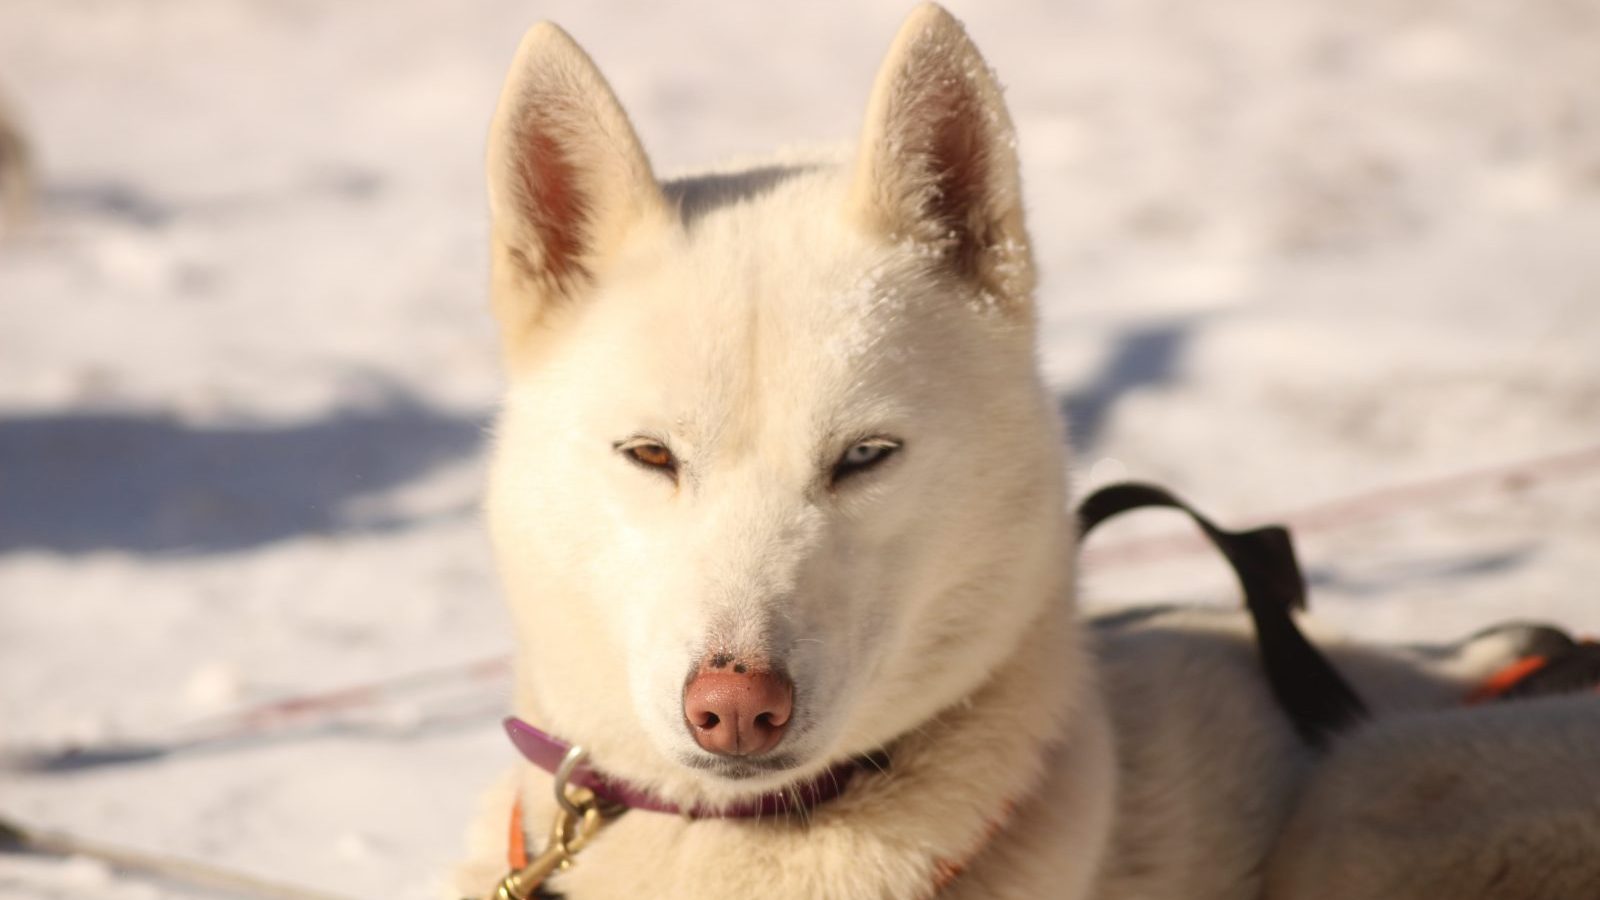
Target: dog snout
737,708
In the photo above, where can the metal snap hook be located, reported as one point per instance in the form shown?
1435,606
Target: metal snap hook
569,764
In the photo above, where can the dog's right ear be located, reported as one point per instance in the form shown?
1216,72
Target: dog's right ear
938,160
567,179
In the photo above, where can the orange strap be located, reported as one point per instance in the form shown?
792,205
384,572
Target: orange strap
517,846
1507,678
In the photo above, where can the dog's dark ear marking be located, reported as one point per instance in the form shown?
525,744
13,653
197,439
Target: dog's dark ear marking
549,201
567,177
938,161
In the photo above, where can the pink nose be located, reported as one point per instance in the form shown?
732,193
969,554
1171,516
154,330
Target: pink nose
737,711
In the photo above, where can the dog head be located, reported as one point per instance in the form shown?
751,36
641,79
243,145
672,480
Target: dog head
774,457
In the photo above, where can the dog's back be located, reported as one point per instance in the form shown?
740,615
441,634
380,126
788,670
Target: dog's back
1481,803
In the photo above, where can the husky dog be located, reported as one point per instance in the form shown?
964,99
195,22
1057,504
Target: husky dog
1494,803
776,485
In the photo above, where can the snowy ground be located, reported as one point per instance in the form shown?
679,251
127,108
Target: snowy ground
1293,252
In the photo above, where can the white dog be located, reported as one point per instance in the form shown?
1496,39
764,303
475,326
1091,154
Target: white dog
776,487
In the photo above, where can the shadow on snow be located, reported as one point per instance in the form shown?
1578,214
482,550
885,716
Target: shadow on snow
1143,357
77,482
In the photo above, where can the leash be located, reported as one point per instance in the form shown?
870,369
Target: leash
579,817
1317,699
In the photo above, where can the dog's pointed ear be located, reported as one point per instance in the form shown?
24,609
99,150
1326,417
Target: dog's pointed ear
938,162
567,178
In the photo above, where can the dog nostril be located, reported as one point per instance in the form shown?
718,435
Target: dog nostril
734,713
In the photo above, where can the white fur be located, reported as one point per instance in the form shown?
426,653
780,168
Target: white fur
758,323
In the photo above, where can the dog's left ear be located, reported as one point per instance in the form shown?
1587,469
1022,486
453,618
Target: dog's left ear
938,160
568,180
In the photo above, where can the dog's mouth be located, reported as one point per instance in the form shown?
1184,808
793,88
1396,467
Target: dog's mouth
742,768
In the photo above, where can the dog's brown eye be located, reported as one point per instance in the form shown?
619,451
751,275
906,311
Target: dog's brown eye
862,456
651,455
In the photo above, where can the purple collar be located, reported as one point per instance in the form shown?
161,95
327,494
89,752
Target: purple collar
546,752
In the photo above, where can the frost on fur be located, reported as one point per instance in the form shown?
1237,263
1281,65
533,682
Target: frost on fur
938,162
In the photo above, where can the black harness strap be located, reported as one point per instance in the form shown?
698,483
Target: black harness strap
1311,691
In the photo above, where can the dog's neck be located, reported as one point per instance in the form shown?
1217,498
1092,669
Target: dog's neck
953,786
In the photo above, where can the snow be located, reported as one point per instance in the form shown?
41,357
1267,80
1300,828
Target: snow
1291,252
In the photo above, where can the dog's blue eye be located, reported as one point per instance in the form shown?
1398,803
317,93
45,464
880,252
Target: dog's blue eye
863,456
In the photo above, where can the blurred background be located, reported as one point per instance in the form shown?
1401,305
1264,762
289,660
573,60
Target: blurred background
1330,263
